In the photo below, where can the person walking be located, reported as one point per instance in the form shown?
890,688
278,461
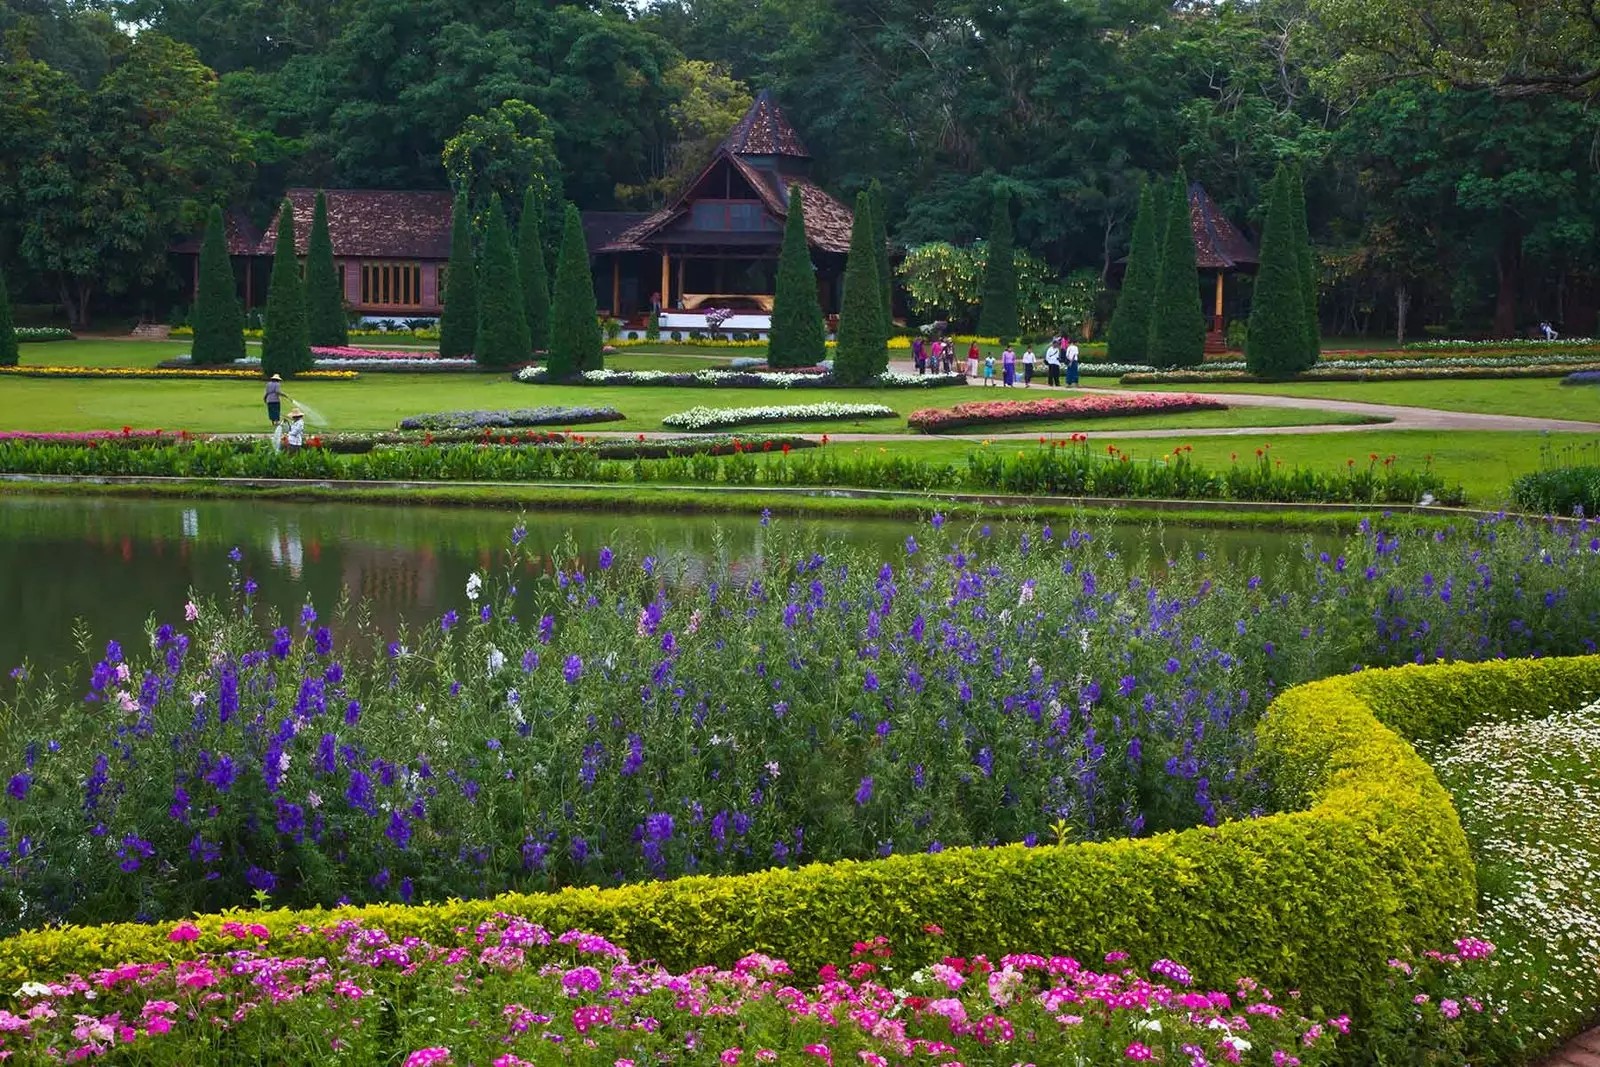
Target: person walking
988,370
917,357
1027,367
972,360
949,355
1008,366
1072,363
1052,363
296,438
274,398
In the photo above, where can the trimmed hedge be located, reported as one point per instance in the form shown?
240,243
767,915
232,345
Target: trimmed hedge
1372,862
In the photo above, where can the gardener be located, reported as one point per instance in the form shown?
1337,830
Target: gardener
274,398
297,431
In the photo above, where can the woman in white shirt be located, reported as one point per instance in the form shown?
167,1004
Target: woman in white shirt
1027,367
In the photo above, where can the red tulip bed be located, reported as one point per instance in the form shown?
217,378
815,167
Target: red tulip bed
977,413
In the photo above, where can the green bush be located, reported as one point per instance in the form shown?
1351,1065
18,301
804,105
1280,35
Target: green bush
575,344
1305,268
799,337
1276,342
326,322
1370,862
458,324
880,246
1177,330
535,278
862,352
8,333
998,315
285,347
502,318
1128,339
218,315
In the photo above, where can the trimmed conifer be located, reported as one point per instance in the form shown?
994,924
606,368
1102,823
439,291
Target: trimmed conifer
1128,338
284,345
997,317
502,322
535,278
862,352
880,220
326,324
218,318
1177,327
575,343
1275,346
458,325
8,332
799,337
1307,272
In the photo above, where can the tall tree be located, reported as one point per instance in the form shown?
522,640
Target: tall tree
502,320
575,342
1305,269
218,315
503,152
326,323
535,278
458,325
998,315
1177,328
880,220
862,352
284,346
1128,339
8,332
1276,344
799,336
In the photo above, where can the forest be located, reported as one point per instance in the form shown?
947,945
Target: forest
1450,149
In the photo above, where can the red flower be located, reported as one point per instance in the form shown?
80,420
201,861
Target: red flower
785,447
766,446
126,430
641,438
824,438
316,442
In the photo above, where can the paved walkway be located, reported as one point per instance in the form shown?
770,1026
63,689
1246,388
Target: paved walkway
1581,1051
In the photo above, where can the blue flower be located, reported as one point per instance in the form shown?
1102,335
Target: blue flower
864,791
260,878
280,642
766,516
308,615
519,533
449,619
18,786
605,559
573,669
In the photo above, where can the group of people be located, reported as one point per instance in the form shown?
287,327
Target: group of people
1059,354
293,436
934,356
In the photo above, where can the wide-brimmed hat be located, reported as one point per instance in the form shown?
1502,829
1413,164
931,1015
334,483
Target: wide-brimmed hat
297,414
276,378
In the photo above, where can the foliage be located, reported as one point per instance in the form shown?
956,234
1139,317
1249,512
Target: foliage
880,246
458,324
285,347
998,313
218,315
815,377
942,281
862,350
326,322
506,152
8,333
1276,344
977,413
502,321
535,278
704,418
42,334
1128,338
799,337
652,331
172,373
575,345
1177,331
1305,268
1566,483
705,103
478,420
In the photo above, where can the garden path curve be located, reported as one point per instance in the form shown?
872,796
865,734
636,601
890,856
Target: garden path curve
1581,1051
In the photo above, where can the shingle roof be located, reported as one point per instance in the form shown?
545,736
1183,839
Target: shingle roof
601,228
765,131
1218,244
242,236
373,223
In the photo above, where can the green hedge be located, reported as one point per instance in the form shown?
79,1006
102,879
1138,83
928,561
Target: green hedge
1372,861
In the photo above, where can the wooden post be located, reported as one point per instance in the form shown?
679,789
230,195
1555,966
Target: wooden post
680,277
1218,325
616,287
666,280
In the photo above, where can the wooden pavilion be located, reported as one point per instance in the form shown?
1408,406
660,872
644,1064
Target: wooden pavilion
1219,247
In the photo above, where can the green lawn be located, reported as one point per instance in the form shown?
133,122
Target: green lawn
1539,397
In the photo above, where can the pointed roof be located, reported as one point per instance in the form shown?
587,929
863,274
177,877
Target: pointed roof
1218,244
765,131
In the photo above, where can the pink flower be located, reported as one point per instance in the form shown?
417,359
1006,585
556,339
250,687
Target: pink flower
428,1057
1138,1051
190,612
159,1025
765,1055
508,1060
1449,1009
730,1056
1472,948
1281,1058
184,932
821,1052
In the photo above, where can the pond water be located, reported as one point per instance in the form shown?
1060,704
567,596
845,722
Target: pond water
103,567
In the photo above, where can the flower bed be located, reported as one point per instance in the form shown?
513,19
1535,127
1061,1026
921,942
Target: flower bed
1056,409
515,995
703,418
1582,377
411,363
126,435
746,379
1387,370
152,373
356,352
1502,344
479,420
40,334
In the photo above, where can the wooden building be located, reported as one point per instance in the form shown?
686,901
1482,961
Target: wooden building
1219,247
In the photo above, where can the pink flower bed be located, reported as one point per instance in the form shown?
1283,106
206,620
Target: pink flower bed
939,420
352,352
85,437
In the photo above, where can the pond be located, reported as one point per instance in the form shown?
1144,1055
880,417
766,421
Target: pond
103,567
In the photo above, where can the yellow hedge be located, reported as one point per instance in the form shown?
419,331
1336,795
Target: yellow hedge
1371,863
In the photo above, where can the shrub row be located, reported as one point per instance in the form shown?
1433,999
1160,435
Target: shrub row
505,419
1372,861
1051,471
746,379
39,334
1559,490
160,373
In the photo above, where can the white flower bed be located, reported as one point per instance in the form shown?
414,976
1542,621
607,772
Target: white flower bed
383,363
720,418
1528,792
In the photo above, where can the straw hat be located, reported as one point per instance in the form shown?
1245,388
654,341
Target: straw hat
297,414
276,378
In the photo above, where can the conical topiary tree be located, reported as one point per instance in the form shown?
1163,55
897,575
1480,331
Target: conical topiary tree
799,337
284,347
325,319
997,317
1177,328
8,332
218,318
880,221
862,352
535,278
1307,272
1128,338
1275,347
502,322
458,326
575,343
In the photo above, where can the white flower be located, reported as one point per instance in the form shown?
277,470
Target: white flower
772,769
190,612
33,989
474,586
123,674
703,418
1150,1025
513,698
497,659
125,701
197,698
313,800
